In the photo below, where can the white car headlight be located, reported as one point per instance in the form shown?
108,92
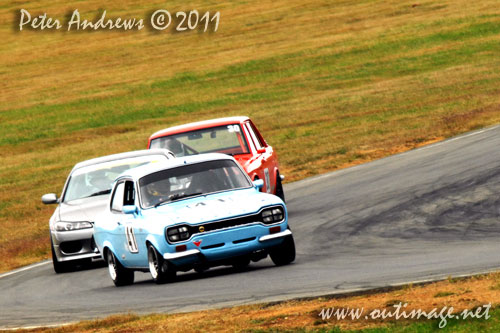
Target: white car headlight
70,226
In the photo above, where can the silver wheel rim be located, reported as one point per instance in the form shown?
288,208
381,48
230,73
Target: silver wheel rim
153,263
112,266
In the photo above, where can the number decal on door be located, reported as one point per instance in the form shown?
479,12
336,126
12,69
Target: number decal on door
131,242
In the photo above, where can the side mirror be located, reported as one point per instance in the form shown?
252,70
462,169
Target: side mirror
261,150
259,184
49,198
130,209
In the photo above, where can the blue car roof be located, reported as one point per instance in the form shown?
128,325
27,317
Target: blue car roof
139,172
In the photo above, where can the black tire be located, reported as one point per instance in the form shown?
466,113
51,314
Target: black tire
284,253
241,263
60,266
199,270
279,188
120,275
161,270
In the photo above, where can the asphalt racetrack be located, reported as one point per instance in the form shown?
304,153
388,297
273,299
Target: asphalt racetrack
428,213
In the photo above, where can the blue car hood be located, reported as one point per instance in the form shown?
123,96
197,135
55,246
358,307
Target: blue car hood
214,206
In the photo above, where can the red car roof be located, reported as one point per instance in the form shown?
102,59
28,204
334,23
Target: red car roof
198,125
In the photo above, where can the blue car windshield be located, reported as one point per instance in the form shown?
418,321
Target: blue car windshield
191,180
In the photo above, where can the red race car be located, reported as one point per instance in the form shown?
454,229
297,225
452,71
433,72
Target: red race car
235,136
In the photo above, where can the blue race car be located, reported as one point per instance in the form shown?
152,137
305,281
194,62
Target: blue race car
193,212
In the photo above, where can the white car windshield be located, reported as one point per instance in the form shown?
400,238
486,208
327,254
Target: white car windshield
97,179
191,180
227,139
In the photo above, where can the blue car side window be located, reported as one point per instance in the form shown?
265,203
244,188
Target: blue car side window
117,201
129,193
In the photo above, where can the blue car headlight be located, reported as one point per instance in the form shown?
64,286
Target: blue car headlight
177,234
70,226
272,215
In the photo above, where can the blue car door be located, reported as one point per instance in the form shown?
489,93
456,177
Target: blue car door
134,253
123,236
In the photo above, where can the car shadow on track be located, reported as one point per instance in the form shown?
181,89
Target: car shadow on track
85,266
211,273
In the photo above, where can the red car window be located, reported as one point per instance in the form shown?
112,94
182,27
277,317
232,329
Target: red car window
225,139
255,141
259,137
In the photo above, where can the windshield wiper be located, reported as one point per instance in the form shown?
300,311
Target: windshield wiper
177,197
108,191
182,196
160,203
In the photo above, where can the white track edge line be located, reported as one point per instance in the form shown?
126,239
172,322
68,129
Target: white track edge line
24,269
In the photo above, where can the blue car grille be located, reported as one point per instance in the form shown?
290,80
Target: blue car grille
225,224
212,226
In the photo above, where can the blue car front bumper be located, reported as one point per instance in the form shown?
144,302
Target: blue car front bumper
225,244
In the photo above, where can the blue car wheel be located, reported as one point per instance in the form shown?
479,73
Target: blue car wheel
161,270
284,253
119,274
